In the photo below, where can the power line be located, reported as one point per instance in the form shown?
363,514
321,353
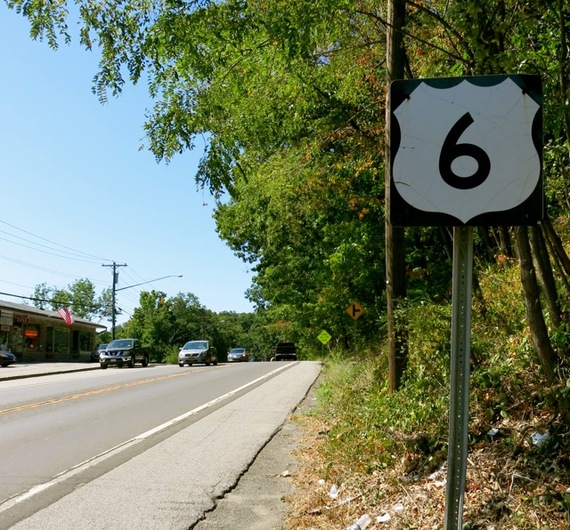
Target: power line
45,251
32,266
74,251
52,301
64,252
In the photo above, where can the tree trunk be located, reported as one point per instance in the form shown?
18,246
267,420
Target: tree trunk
534,315
557,262
395,254
564,61
556,244
505,241
545,275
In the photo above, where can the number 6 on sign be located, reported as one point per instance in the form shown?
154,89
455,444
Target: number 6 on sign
466,151
452,150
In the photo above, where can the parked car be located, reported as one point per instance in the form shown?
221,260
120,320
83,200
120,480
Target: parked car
7,358
97,351
197,351
121,352
236,355
285,351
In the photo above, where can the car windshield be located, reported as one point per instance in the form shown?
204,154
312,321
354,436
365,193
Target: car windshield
120,343
196,345
237,350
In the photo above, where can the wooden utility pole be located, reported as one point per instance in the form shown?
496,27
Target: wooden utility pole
394,236
115,281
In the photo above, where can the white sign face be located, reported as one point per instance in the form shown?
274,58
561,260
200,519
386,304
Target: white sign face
467,149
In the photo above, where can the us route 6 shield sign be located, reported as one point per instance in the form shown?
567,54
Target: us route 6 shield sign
466,151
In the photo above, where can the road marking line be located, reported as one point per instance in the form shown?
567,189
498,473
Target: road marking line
78,468
71,397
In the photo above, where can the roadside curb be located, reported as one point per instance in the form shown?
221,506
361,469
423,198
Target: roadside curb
45,370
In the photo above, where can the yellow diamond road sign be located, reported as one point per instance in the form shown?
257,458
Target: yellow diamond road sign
355,310
324,336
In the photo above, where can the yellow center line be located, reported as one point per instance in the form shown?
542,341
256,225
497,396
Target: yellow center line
71,397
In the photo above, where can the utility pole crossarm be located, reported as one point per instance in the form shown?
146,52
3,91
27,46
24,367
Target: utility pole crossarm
115,280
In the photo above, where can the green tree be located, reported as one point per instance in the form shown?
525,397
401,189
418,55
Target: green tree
150,323
79,295
291,100
105,304
163,323
42,296
83,298
286,94
492,35
233,330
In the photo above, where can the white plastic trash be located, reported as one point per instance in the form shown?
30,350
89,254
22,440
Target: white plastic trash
362,523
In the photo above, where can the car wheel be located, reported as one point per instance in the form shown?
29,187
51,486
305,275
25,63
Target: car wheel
132,362
103,366
145,361
215,363
4,365
181,365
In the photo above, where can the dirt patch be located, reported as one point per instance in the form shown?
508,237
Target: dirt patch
518,477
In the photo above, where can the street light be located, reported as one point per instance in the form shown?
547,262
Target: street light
114,311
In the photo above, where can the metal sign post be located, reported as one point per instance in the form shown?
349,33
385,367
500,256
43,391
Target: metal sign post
459,374
465,152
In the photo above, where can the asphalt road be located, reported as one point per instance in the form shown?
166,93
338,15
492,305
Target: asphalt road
175,476
55,423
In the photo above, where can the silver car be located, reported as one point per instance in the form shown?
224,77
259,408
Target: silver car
238,355
197,351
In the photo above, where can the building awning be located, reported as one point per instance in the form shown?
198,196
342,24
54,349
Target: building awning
45,313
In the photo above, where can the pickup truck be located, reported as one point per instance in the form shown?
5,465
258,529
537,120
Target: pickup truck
285,351
120,352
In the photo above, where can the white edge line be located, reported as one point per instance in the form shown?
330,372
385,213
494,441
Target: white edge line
64,475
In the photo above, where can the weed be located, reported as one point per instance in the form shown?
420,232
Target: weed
385,450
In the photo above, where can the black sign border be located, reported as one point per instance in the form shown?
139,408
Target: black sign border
529,212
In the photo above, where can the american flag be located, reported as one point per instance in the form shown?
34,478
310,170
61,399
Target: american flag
66,314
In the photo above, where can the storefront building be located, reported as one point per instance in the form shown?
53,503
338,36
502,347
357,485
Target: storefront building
34,334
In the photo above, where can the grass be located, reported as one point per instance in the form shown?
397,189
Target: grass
387,454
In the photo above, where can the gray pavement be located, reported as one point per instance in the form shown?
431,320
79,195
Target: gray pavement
254,499
24,370
259,500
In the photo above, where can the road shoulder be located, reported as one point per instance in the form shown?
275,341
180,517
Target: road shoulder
259,499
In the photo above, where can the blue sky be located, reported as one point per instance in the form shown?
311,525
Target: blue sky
77,193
